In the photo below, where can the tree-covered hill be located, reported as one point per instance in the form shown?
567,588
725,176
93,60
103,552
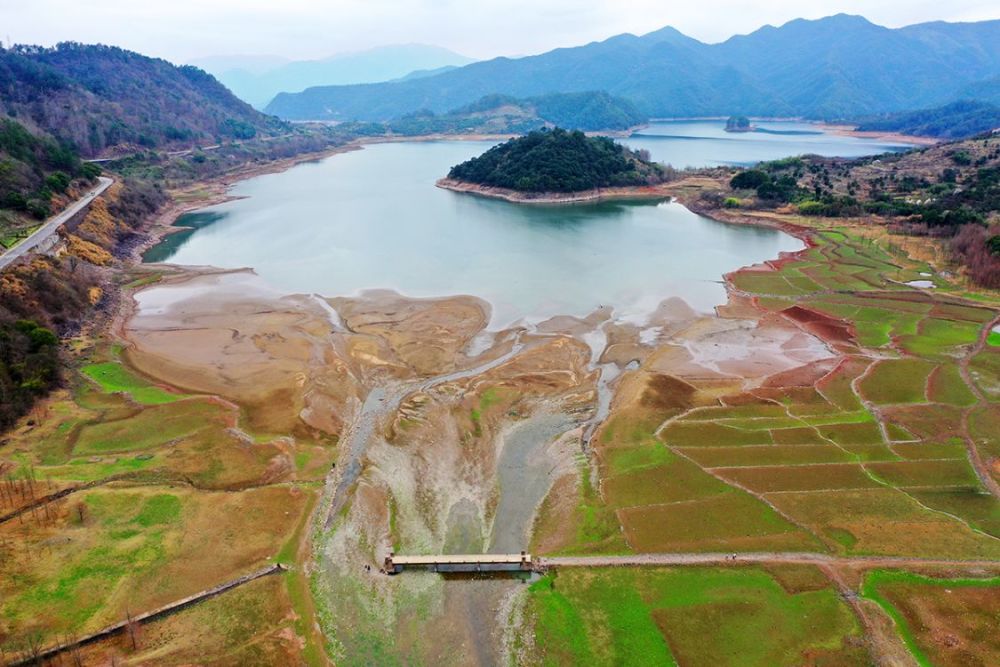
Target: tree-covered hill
33,170
100,97
503,114
953,121
557,161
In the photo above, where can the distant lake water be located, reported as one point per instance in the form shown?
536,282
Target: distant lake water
705,143
373,219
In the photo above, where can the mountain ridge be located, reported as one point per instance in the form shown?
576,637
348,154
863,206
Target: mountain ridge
99,98
864,69
379,64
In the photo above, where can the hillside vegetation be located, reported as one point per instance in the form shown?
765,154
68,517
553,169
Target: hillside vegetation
104,99
557,161
951,190
33,170
503,114
953,121
50,296
60,105
837,67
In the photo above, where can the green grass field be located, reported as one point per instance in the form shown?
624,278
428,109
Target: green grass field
112,377
691,616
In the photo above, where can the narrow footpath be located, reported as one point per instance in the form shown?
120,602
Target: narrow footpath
805,558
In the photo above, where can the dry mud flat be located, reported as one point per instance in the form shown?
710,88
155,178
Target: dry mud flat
450,436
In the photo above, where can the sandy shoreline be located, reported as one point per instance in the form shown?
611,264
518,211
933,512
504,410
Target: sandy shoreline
649,192
889,137
845,130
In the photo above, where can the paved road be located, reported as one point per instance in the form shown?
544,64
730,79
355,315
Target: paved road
53,223
663,559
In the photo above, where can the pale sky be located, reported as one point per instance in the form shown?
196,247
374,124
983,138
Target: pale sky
180,30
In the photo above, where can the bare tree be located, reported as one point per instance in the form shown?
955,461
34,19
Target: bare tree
33,645
80,509
133,629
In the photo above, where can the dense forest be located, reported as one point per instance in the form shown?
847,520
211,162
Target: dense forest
101,98
953,121
557,161
33,169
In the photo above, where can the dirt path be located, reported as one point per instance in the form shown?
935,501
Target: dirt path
883,640
775,557
982,471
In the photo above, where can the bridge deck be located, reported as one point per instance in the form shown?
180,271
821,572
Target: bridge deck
459,562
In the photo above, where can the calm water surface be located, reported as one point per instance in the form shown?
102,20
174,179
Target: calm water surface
373,219
705,143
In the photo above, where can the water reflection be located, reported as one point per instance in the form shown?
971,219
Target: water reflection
188,225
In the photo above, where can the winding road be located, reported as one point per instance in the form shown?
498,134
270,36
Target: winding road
51,225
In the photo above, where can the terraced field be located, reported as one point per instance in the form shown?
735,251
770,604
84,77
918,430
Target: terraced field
888,447
166,497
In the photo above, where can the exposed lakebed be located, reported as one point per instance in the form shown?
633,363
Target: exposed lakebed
455,424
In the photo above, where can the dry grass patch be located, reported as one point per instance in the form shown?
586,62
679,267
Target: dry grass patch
734,521
885,522
756,455
915,451
250,625
709,434
799,477
926,473
946,622
894,381
137,549
852,434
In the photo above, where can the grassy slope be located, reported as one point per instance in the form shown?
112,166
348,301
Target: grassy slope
87,559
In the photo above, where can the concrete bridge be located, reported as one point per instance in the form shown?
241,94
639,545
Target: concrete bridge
460,563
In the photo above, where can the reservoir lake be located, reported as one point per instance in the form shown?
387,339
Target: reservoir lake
373,219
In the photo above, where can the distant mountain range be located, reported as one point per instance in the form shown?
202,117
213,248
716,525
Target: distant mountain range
102,98
838,67
257,79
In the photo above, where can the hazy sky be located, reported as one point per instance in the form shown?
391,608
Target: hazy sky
180,30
